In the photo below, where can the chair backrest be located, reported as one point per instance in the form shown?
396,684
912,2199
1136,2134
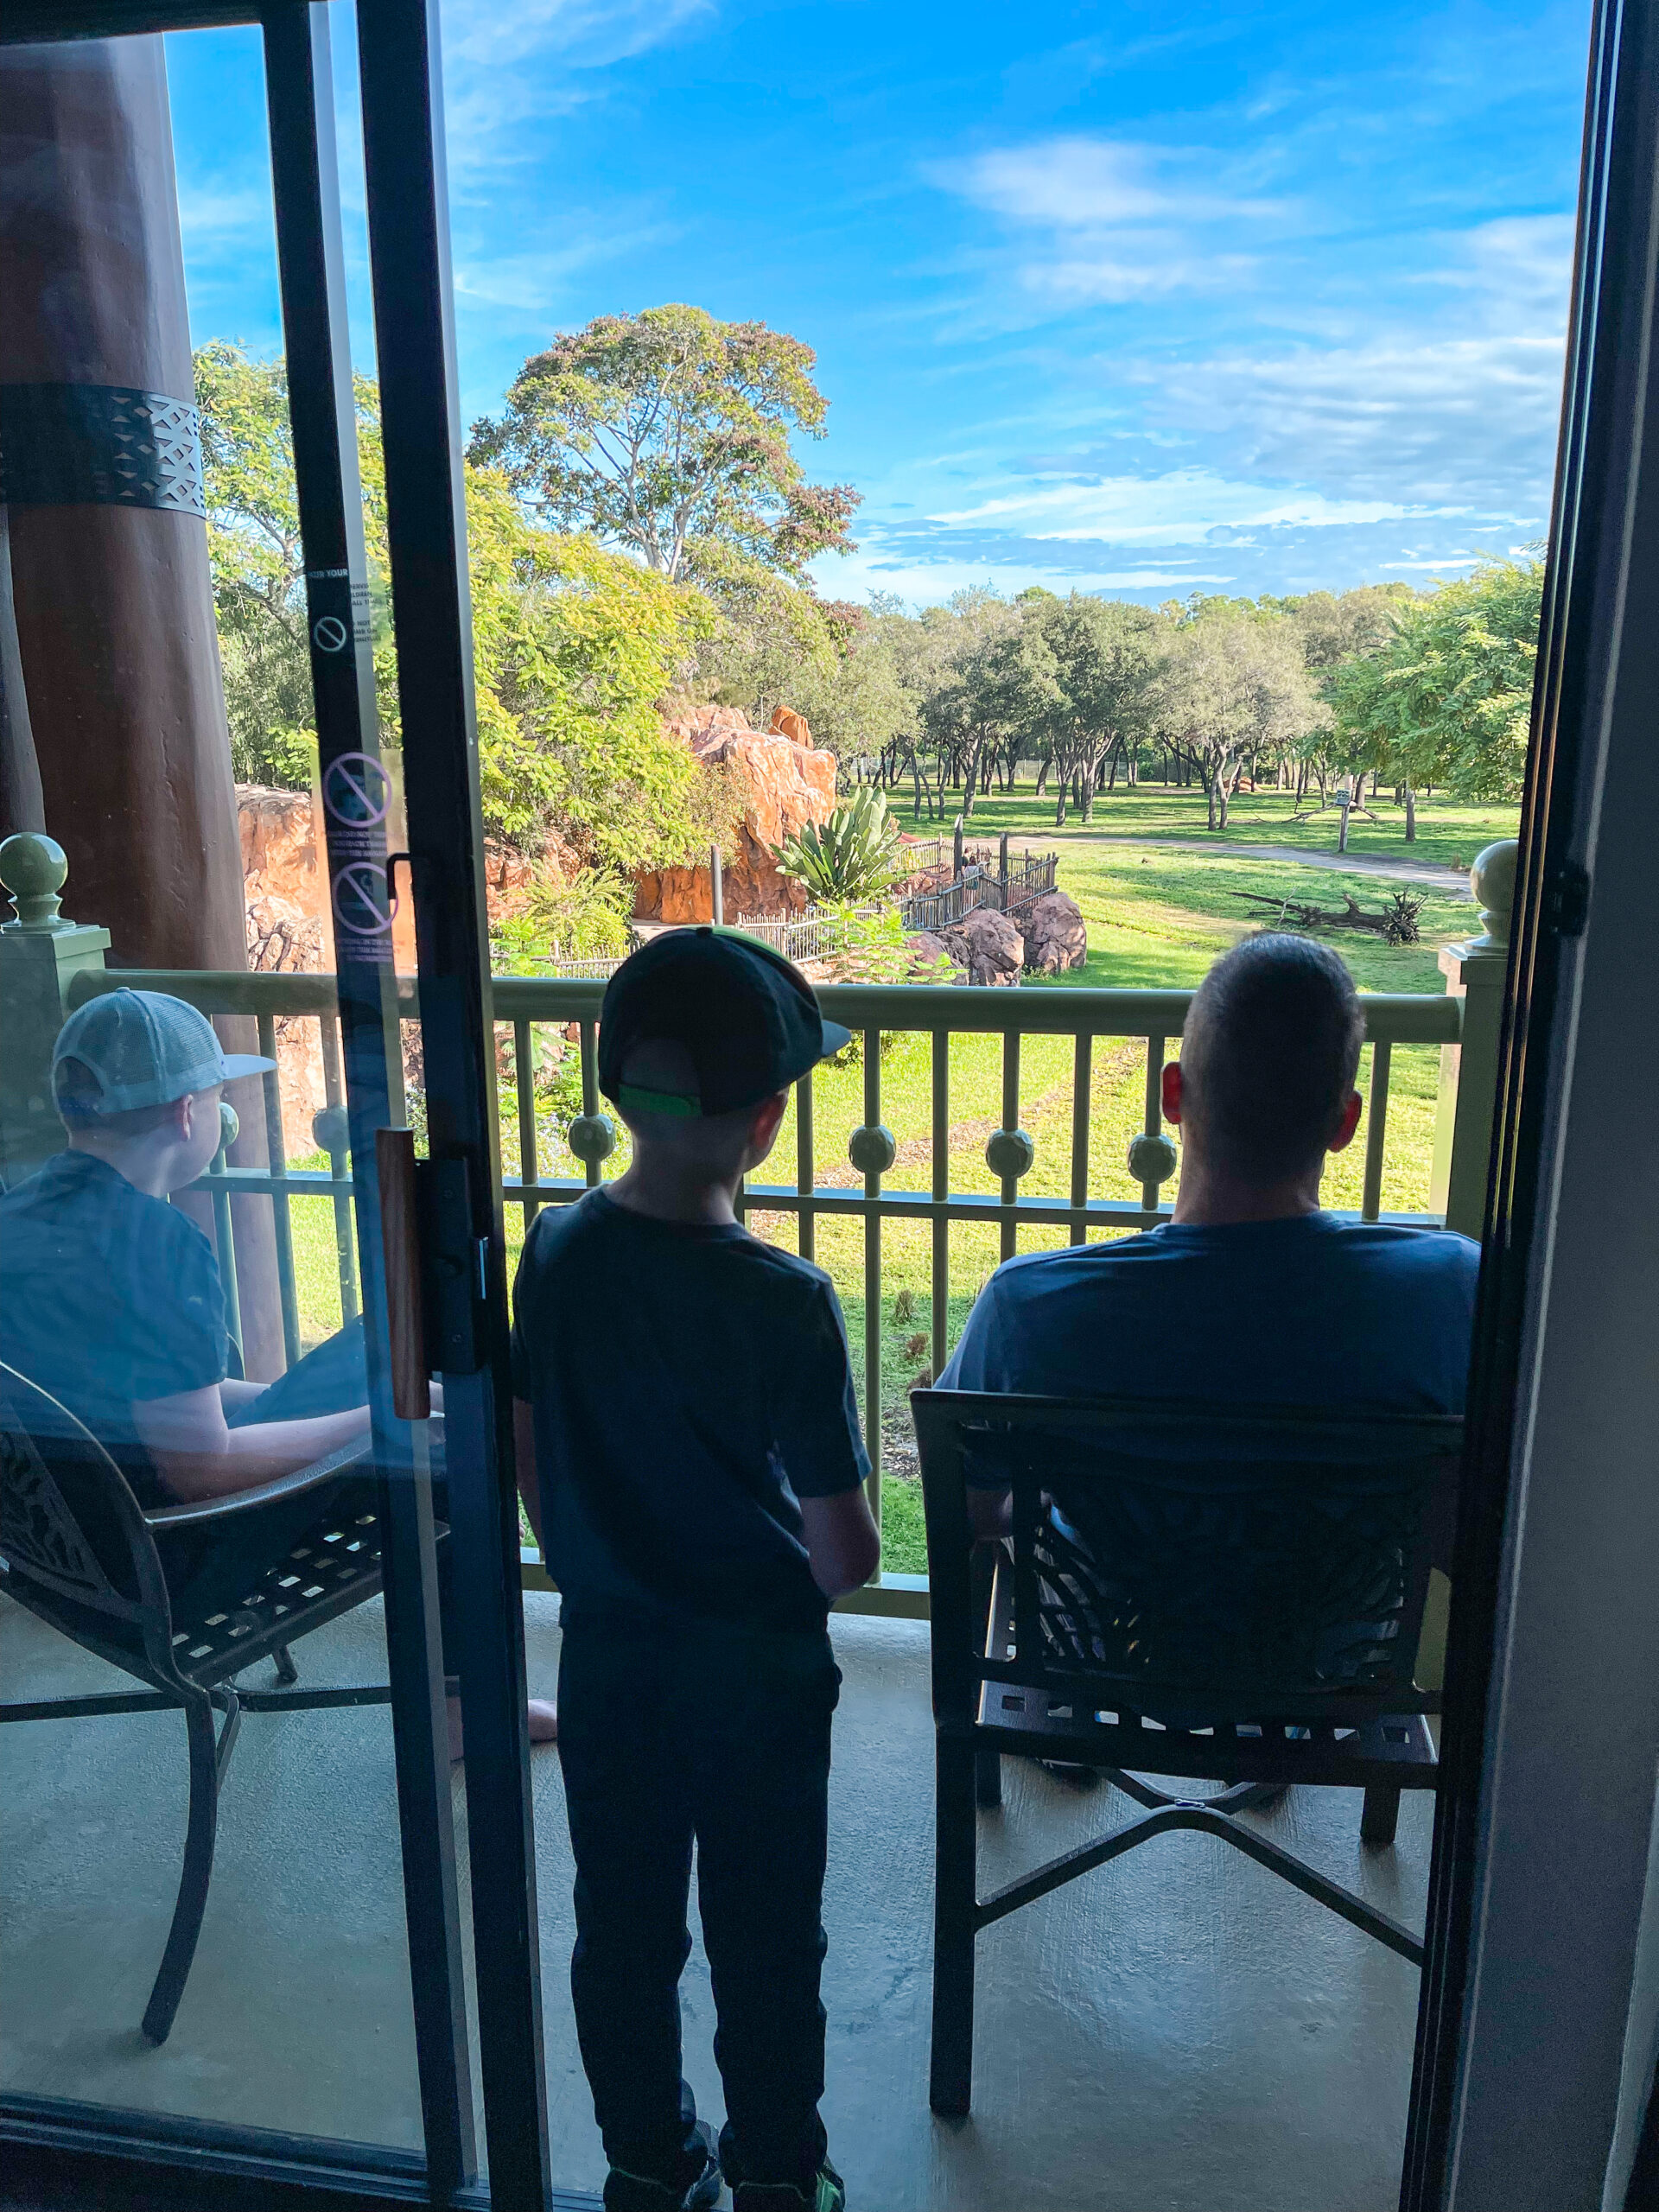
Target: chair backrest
72,1536
1188,1561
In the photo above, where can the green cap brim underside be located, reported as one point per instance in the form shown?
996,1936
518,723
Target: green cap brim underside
677,1102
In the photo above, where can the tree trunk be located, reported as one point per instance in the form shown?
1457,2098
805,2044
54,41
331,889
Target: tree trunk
1411,816
114,603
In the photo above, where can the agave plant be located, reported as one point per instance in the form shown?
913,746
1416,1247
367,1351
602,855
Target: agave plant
852,855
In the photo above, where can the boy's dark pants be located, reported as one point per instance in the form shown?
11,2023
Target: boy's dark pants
722,1733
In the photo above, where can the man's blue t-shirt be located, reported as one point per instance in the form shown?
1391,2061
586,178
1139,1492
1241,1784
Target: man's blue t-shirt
108,1297
690,1386
1309,1311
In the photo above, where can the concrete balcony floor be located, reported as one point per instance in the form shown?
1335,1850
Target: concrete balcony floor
1177,2030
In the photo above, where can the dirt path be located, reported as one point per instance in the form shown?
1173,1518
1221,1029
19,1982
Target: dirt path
1453,881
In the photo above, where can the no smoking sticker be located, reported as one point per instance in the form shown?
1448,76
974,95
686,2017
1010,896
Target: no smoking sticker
360,900
356,790
329,634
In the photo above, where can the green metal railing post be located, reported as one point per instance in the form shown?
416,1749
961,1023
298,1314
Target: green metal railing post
42,957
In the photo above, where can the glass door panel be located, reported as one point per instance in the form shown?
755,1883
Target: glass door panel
230,1894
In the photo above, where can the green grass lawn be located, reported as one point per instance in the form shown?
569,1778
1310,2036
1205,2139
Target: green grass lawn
1155,918
1447,833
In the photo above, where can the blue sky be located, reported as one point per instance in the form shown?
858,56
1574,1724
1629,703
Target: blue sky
1130,298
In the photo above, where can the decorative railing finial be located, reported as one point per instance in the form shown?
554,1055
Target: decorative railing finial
1492,881
34,869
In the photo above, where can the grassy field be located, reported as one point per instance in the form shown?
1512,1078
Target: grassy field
1155,916
1447,833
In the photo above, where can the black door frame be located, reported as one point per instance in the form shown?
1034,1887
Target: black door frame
406,223
68,2154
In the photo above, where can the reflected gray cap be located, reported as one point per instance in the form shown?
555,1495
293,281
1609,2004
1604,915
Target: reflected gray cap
144,1049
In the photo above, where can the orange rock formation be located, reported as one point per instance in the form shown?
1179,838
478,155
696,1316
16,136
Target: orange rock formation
787,785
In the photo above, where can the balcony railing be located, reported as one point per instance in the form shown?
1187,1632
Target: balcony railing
47,968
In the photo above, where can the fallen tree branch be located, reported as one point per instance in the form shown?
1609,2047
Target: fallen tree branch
1396,923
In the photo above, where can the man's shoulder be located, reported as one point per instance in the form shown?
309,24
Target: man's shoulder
1420,1254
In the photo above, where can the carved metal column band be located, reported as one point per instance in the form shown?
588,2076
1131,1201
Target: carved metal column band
65,445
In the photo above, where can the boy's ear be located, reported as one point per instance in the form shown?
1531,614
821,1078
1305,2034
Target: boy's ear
767,1116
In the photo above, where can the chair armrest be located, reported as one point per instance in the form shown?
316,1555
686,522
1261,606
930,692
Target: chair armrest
205,1511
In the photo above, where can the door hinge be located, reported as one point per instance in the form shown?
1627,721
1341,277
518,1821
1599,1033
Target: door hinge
1566,899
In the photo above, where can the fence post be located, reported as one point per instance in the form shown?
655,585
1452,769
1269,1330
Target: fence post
717,886
1002,867
1474,972
40,954
956,851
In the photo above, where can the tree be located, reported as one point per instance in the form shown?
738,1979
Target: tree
1102,655
259,564
668,433
573,646
1448,699
1228,687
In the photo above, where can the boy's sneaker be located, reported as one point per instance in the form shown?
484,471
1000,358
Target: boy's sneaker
627,2192
828,2194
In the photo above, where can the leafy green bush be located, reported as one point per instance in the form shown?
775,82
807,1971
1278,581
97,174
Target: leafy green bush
852,855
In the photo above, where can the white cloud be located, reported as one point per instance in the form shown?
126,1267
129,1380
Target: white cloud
1180,507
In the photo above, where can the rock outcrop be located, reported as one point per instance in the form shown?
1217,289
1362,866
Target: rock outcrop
783,786
988,945
1055,937
785,722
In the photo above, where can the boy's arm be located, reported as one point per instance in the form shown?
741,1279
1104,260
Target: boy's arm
843,1545
198,1457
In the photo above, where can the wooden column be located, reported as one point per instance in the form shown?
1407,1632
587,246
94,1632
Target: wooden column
111,589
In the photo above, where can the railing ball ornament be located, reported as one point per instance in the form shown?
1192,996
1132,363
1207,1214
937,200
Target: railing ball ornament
592,1138
1491,880
872,1151
229,1127
331,1129
1009,1154
33,868
1152,1158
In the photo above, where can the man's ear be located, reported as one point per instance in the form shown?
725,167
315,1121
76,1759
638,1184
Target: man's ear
1347,1123
1171,1087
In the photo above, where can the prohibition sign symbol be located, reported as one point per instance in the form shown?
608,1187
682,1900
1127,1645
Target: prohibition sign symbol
359,893
357,790
329,634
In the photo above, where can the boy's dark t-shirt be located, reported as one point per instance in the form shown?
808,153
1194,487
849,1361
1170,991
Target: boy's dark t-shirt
108,1296
689,1384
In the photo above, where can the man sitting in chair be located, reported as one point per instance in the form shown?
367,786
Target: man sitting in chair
1251,1293
111,1300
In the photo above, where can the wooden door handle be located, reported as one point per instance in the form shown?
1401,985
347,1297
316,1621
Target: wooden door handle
394,1160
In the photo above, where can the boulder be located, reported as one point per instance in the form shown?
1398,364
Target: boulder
783,786
924,950
988,945
1054,934
785,722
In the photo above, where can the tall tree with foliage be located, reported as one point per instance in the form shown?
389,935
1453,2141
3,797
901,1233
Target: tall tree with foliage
1448,699
1230,687
259,564
1103,656
573,646
668,434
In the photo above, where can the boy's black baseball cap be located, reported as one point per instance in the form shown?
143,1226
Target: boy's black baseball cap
749,1018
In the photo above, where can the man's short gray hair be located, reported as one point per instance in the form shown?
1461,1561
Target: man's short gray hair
1270,1054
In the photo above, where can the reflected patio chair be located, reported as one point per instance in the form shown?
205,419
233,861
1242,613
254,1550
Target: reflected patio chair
1207,1592
78,1551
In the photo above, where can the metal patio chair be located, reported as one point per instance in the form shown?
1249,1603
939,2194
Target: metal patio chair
1225,1593
80,1554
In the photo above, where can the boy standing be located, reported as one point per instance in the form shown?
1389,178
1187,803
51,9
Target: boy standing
686,1429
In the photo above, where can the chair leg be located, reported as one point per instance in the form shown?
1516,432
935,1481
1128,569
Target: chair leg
987,1777
1380,1814
287,1672
954,1875
203,1825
